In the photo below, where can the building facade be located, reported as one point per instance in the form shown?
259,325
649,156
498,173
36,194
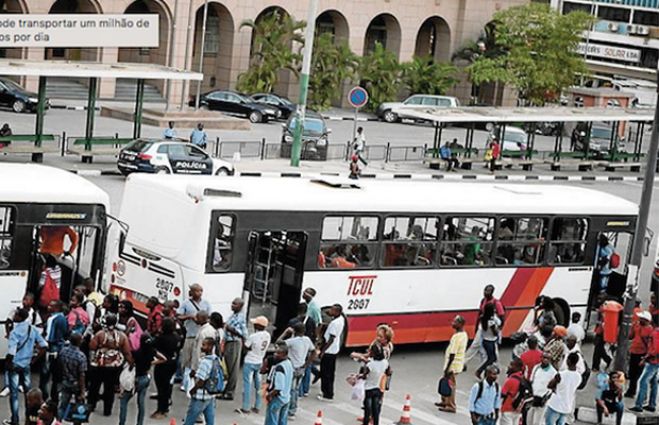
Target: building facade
407,28
624,38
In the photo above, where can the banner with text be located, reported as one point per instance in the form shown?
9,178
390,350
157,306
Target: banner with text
79,30
610,52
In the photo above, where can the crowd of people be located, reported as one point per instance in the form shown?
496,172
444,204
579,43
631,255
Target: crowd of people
548,367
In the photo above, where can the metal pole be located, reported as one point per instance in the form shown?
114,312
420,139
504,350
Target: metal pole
41,106
91,105
192,22
304,82
139,100
354,128
590,27
201,54
172,50
634,266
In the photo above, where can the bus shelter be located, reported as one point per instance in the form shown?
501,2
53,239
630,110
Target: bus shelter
92,71
532,118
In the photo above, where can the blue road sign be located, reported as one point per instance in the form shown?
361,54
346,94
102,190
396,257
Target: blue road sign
358,97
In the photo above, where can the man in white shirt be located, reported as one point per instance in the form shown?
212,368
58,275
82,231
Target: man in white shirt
564,384
576,328
540,376
328,352
573,347
256,346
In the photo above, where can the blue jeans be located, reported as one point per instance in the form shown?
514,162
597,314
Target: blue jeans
490,348
18,377
305,385
649,377
295,388
197,407
251,378
276,414
141,385
552,417
486,420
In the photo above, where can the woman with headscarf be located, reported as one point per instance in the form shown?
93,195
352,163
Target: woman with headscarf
129,324
109,349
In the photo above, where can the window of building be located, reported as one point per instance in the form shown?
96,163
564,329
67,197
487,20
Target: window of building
224,233
212,38
645,17
348,242
568,240
616,14
521,241
410,242
6,235
569,7
467,241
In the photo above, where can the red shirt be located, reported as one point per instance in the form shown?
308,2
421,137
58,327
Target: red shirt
498,307
641,338
530,359
653,352
509,391
496,149
154,321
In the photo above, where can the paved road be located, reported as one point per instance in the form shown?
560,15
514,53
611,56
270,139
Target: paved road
416,368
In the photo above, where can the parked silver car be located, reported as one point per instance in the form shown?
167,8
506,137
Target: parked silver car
395,111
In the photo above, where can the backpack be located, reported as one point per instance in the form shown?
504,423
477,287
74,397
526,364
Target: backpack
79,327
49,292
479,394
215,382
524,393
614,261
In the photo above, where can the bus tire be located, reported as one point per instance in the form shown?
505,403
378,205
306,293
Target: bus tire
562,312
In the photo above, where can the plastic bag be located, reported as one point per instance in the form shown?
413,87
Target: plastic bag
358,390
127,379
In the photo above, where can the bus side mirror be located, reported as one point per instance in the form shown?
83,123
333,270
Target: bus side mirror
122,240
647,241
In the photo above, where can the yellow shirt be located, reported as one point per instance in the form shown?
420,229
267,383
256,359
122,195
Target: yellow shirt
457,346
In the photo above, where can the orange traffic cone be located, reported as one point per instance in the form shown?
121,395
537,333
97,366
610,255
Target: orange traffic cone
319,418
406,418
172,421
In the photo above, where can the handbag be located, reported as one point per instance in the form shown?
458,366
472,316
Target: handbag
358,390
77,412
127,379
444,387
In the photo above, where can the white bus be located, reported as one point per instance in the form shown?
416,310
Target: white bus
45,212
412,254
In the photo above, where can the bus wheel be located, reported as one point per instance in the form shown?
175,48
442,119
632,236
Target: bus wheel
562,312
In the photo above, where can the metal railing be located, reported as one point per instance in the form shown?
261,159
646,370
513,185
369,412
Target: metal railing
405,153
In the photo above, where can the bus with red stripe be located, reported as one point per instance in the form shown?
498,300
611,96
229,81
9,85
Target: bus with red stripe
412,254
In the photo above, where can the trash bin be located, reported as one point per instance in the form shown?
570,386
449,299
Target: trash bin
611,311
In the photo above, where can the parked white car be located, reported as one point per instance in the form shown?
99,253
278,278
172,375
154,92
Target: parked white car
417,102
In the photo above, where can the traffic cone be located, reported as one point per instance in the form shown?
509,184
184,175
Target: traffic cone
406,418
319,418
172,421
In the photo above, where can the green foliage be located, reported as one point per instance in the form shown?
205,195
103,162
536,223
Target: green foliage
380,75
535,51
273,36
332,64
423,75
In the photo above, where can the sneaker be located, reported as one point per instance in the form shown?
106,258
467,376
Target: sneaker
242,411
291,416
325,399
153,396
21,389
5,392
8,422
255,410
182,388
636,409
649,409
158,415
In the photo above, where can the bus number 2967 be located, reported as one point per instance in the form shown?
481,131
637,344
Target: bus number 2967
358,304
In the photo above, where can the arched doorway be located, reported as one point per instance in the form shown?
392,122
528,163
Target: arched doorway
12,7
218,47
153,55
333,22
74,54
434,39
383,29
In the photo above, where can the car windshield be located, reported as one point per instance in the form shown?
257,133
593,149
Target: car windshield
285,101
12,85
311,125
139,145
243,98
600,133
514,137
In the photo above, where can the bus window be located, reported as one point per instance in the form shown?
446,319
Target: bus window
6,220
348,242
467,241
568,240
521,241
223,243
410,242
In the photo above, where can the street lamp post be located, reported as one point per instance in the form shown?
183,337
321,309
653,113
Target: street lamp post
304,83
172,50
634,266
201,54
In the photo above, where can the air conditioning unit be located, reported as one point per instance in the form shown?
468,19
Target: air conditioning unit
632,29
642,30
613,27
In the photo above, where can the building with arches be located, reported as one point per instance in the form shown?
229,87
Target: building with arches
421,27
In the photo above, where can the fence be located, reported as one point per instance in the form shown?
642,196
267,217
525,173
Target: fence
247,149
405,153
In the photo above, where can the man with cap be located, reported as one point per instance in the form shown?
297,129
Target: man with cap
236,333
555,347
641,335
454,362
187,314
256,346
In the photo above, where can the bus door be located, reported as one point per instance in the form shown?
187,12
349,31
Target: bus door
273,276
621,242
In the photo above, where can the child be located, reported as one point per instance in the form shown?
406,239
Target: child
34,400
354,168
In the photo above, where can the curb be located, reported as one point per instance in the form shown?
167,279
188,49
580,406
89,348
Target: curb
341,118
73,108
407,176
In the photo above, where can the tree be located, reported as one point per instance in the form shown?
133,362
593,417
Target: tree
423,75
537,51
379,73
272,41
332,64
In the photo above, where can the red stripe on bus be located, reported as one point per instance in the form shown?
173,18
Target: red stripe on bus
523,289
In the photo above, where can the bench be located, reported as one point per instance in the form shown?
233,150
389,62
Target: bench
26,144
612,166
99,146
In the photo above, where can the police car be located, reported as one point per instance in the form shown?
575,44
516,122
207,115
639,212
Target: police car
169,156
